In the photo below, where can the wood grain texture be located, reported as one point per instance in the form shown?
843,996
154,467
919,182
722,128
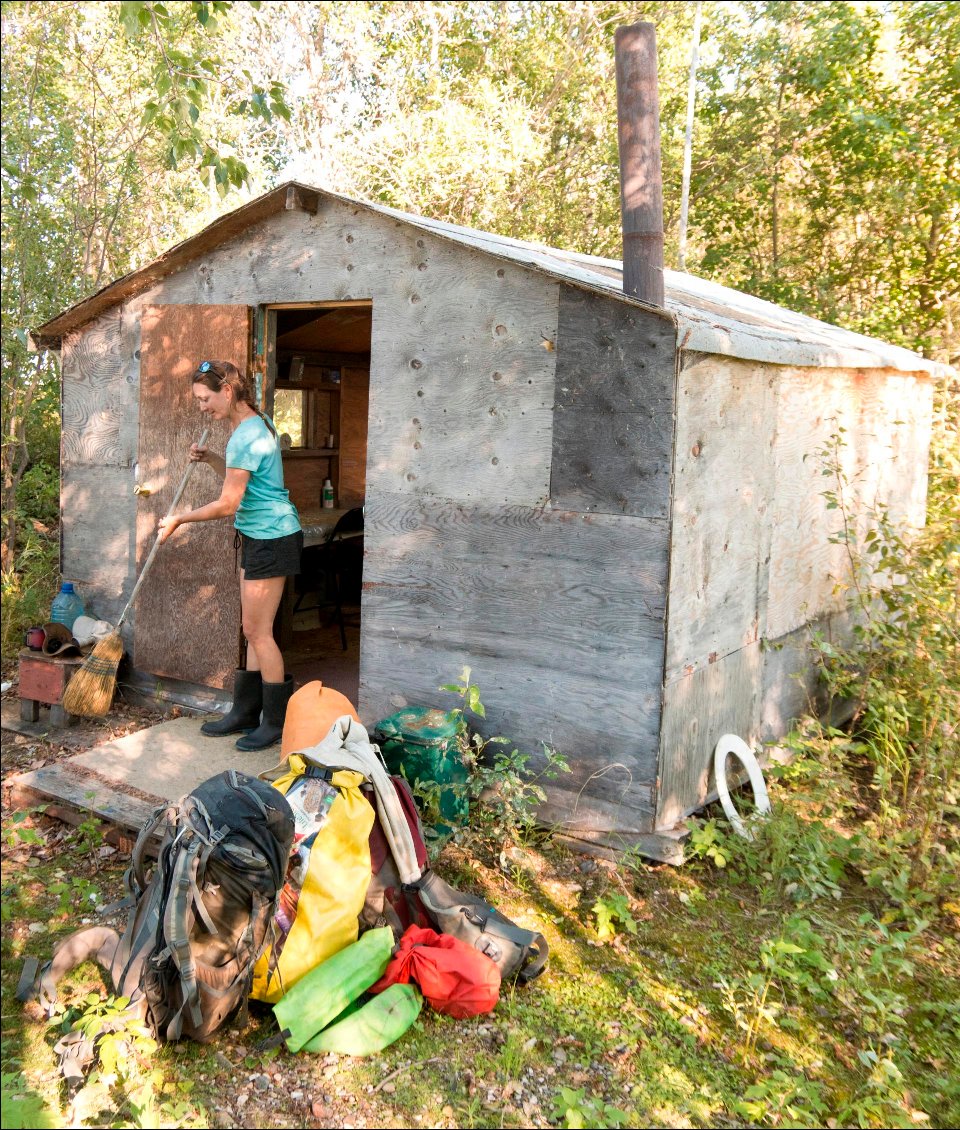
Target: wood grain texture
62,782
614,414
187,616
462,364
96,395
559,615
352,438
724,483
886,420
98,452
698,708
751,555
98,534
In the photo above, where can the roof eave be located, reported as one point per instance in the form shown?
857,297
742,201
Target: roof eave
288,196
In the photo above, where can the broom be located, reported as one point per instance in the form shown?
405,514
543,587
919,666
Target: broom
90,691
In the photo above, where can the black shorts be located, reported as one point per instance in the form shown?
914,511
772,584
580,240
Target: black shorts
261,558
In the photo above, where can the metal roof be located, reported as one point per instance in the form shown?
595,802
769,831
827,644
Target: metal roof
710,318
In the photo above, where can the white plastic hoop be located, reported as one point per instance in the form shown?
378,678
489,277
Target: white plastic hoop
731,744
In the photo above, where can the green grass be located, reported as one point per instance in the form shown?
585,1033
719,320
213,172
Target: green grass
636,1030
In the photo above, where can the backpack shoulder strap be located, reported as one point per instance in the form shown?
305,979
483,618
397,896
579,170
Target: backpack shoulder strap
137,871
176,933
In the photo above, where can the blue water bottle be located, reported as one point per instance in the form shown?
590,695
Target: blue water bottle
67,606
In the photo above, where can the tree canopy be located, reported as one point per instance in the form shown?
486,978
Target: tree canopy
825,170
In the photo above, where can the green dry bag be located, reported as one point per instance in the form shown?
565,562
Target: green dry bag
322,994
372,1027
421,743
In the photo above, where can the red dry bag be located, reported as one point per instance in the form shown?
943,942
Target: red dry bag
453,977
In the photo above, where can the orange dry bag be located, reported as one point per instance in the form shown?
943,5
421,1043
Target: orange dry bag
311,712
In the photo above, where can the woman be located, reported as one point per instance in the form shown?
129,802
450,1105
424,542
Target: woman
271,542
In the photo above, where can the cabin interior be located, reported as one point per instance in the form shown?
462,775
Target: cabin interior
318,372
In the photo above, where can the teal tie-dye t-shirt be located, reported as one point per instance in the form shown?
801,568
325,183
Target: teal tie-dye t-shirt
265,510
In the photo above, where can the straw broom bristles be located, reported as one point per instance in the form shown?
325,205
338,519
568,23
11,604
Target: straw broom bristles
90,692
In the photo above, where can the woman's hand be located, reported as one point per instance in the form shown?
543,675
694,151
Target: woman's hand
200,454
166,526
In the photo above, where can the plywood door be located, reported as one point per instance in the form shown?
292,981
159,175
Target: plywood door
187,616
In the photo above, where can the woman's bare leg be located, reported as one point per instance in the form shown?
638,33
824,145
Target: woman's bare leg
259,601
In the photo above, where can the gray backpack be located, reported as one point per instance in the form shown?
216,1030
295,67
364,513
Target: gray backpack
199,916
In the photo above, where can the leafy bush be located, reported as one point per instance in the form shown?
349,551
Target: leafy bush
29,584
502,779
901,670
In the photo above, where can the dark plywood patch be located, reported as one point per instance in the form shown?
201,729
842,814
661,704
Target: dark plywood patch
614,409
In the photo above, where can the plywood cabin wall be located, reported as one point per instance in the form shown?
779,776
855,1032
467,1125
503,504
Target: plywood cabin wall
753,569
535,555
98,460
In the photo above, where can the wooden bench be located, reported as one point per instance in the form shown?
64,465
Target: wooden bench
43,679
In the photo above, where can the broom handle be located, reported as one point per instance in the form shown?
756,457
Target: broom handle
156,545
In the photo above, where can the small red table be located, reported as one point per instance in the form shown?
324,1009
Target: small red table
43,679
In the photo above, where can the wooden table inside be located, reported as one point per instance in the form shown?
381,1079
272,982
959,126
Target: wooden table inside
317,527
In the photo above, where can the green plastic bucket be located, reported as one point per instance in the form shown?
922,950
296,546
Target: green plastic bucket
421,743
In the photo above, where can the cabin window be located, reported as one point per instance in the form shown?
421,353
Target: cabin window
289,413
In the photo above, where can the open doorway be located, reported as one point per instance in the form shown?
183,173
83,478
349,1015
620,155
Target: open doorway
318,385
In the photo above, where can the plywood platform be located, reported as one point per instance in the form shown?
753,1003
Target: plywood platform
122,781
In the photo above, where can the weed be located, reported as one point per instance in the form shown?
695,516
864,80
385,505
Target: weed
610,909
23,1109
783,1098
707,842
73,893
578,1110
901,670
22,834
882,1099
510,787
87,837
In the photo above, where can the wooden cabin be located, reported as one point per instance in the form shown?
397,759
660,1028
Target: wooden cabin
611,512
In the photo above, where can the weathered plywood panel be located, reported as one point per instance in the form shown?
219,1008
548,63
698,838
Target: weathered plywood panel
758,693
613,425
559,615
752,554
97,533
885,422
188,611
791,687
354,409
721,698
726,420
98,448
462,350
96,395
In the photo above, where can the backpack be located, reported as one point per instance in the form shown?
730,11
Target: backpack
404,891
515,951
199,917
386,902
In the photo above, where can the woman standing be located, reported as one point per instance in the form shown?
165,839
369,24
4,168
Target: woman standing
271,540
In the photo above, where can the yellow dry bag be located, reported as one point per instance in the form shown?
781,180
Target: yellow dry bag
327,877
